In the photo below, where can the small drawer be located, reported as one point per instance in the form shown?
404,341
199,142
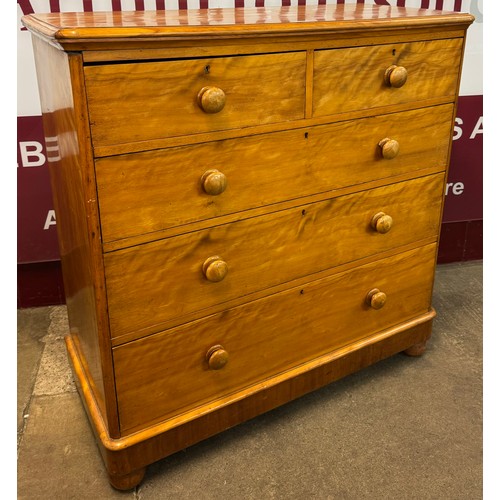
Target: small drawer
146,192
151,100
367,77
152,284
193,365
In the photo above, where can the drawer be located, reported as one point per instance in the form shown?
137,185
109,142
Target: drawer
166,374
146,192
149,285
354,79
151,100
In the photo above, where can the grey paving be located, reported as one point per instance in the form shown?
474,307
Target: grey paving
406,428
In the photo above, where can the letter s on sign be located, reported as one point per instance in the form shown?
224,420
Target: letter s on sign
457,130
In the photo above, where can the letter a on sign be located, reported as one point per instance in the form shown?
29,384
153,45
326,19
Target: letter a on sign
50,220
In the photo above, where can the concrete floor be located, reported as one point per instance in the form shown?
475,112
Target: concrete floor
406,428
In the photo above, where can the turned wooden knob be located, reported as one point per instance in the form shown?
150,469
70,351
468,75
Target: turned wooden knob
217,357
215,269
389,147
213,182
376,299
381,222
211,99
395,76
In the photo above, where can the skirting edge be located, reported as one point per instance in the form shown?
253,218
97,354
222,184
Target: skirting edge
136,450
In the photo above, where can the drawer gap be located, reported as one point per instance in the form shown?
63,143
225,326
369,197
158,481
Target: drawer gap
355,46
167,59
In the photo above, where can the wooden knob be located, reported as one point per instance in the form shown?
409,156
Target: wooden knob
381,222
214,182
389,147
215,269
211,99
395,76
217,357
376,299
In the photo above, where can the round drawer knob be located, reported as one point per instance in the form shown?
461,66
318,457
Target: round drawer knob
381,222
395,76
217,357
215,269
389,147
211,99
213,182
376,299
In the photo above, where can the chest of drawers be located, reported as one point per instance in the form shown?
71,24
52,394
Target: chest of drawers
248,205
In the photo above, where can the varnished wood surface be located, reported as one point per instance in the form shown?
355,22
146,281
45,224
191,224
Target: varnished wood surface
73,188
142,50
138,449
166,374
263,170
199,225
153,283
71,28
124,482
281,79
353,79
143,101
130,103
168,142
298,282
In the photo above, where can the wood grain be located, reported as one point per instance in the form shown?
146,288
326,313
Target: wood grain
75,202
258,248
262,170
141,50
168,142
102,30
142,101
167,374
130,453
153,283
350,79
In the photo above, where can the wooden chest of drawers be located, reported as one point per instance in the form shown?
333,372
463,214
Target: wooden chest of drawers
248,204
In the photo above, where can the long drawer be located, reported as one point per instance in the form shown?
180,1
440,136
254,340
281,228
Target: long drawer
151,100
171,372
151,284
146,192
355,78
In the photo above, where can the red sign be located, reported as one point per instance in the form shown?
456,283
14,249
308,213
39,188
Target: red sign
36,223
464,190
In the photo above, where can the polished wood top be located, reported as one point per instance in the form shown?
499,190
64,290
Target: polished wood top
67,27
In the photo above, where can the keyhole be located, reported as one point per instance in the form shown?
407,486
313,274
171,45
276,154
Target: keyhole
393,52
306,135
303,212
207,68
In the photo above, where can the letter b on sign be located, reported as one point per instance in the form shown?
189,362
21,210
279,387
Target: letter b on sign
31,154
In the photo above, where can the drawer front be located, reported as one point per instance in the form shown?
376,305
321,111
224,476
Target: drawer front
151,284
168,373
144,101
354,79
147,192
